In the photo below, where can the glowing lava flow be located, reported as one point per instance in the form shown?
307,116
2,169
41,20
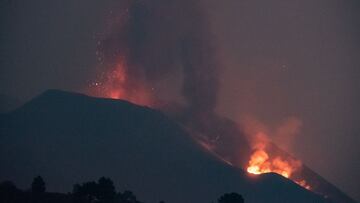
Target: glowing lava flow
262,162
116,84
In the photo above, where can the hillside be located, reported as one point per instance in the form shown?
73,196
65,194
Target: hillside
68,137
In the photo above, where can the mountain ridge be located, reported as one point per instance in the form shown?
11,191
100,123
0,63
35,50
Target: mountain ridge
77,137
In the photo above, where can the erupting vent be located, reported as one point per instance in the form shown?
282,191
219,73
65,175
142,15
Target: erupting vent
137,52
262,161
116,84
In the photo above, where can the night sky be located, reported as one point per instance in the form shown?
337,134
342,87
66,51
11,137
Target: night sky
281,60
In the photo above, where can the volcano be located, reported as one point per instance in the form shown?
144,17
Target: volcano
69,137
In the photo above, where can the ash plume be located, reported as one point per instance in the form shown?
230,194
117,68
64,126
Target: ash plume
159,37
162,37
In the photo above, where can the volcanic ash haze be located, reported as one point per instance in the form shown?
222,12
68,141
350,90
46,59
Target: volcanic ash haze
150,40
147,41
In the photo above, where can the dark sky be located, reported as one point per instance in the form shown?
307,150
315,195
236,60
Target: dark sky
280,60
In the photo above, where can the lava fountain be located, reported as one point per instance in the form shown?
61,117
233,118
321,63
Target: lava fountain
263,161
138,51
115,83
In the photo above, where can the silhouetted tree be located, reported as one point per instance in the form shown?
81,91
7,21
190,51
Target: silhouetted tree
231,198
106,190
38,185
77,195
87,192
9,192
102,191
7,186
127,197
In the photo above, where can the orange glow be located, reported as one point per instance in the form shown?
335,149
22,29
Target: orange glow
116,84
303,184
261,161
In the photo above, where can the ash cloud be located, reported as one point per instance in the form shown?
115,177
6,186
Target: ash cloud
160,37
283,134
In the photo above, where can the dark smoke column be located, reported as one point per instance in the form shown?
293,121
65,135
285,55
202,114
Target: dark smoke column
200,84
162,37
159,36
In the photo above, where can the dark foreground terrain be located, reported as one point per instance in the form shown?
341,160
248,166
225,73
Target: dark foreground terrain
71,138
102,191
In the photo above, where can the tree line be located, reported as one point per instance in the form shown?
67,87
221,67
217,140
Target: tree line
101,191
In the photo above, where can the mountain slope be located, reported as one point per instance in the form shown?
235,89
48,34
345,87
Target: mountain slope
68,138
